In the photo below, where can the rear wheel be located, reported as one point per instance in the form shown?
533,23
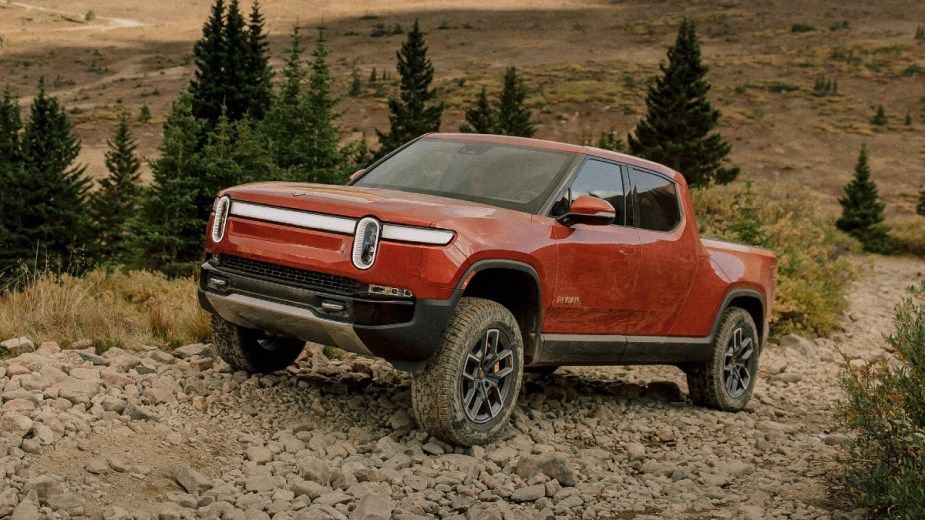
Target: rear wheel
253,350
726,381
469,387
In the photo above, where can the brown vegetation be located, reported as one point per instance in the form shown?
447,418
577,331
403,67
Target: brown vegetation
105,309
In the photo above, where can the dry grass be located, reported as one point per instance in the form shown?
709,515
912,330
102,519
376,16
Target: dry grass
127,310
907,234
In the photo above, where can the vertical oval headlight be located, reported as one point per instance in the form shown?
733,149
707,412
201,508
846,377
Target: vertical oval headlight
222,206
366,243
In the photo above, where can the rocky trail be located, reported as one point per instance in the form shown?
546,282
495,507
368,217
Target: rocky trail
151,434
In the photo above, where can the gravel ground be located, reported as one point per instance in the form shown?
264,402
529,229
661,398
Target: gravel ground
151,434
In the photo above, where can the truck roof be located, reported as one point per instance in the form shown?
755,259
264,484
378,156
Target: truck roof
561,147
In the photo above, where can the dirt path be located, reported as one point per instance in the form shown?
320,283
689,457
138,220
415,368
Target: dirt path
100,23
107,436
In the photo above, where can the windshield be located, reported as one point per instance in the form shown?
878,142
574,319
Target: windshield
513,177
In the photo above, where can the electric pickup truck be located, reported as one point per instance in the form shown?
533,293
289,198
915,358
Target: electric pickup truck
467,259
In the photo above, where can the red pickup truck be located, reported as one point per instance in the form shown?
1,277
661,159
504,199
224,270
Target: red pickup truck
467,259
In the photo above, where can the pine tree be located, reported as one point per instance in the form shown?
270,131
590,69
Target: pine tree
862,211
920,208
302,125
45,216
513,117
12,179
675,130
325,159
118,195
411,115
610,141
288,125
10,127
356,86
167,232
233,76
260,75
208,87
237,81
879,118
480,118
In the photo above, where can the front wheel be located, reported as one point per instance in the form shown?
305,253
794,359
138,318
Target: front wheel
253,350
726,381
469,387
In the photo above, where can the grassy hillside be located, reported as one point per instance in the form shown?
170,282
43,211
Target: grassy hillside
587,64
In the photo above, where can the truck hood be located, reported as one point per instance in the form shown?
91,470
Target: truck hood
399,207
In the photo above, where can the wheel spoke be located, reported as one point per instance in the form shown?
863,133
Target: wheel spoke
747,350
501,374
475,402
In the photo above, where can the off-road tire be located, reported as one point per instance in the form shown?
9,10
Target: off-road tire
253,350
709,383
437,392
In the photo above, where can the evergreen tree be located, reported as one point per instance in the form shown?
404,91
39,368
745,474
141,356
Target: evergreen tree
118,195
879,118
232,71
356,86
326,161
288,124
920,208
513,117
480,119
260,75
679,118
361,156
610,141
236,86
167,232
412,115
45,209
10,127
862,211
208,87
12,179
302,125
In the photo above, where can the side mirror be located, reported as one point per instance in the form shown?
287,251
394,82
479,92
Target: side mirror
357,174
588,210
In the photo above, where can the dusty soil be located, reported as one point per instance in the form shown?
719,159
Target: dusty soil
587,63
334,438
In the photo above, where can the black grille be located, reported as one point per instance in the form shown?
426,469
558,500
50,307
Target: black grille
309,279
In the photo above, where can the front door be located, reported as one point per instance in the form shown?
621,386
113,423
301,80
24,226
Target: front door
598,264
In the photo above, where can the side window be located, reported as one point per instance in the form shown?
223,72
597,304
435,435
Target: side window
653,202
599,179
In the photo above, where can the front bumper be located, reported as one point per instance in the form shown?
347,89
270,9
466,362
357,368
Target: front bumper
398,330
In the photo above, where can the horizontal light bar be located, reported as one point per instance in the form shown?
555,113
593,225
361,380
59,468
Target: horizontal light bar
302,219
439,237
342,225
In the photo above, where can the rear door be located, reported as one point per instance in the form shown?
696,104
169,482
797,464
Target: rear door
598,265
667,252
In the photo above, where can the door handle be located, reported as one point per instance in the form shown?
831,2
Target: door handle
627,250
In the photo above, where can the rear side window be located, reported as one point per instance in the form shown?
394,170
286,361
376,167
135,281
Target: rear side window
652,202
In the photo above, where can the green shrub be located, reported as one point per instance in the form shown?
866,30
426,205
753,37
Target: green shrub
802,28
885,408
907,234
780,86
813,270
